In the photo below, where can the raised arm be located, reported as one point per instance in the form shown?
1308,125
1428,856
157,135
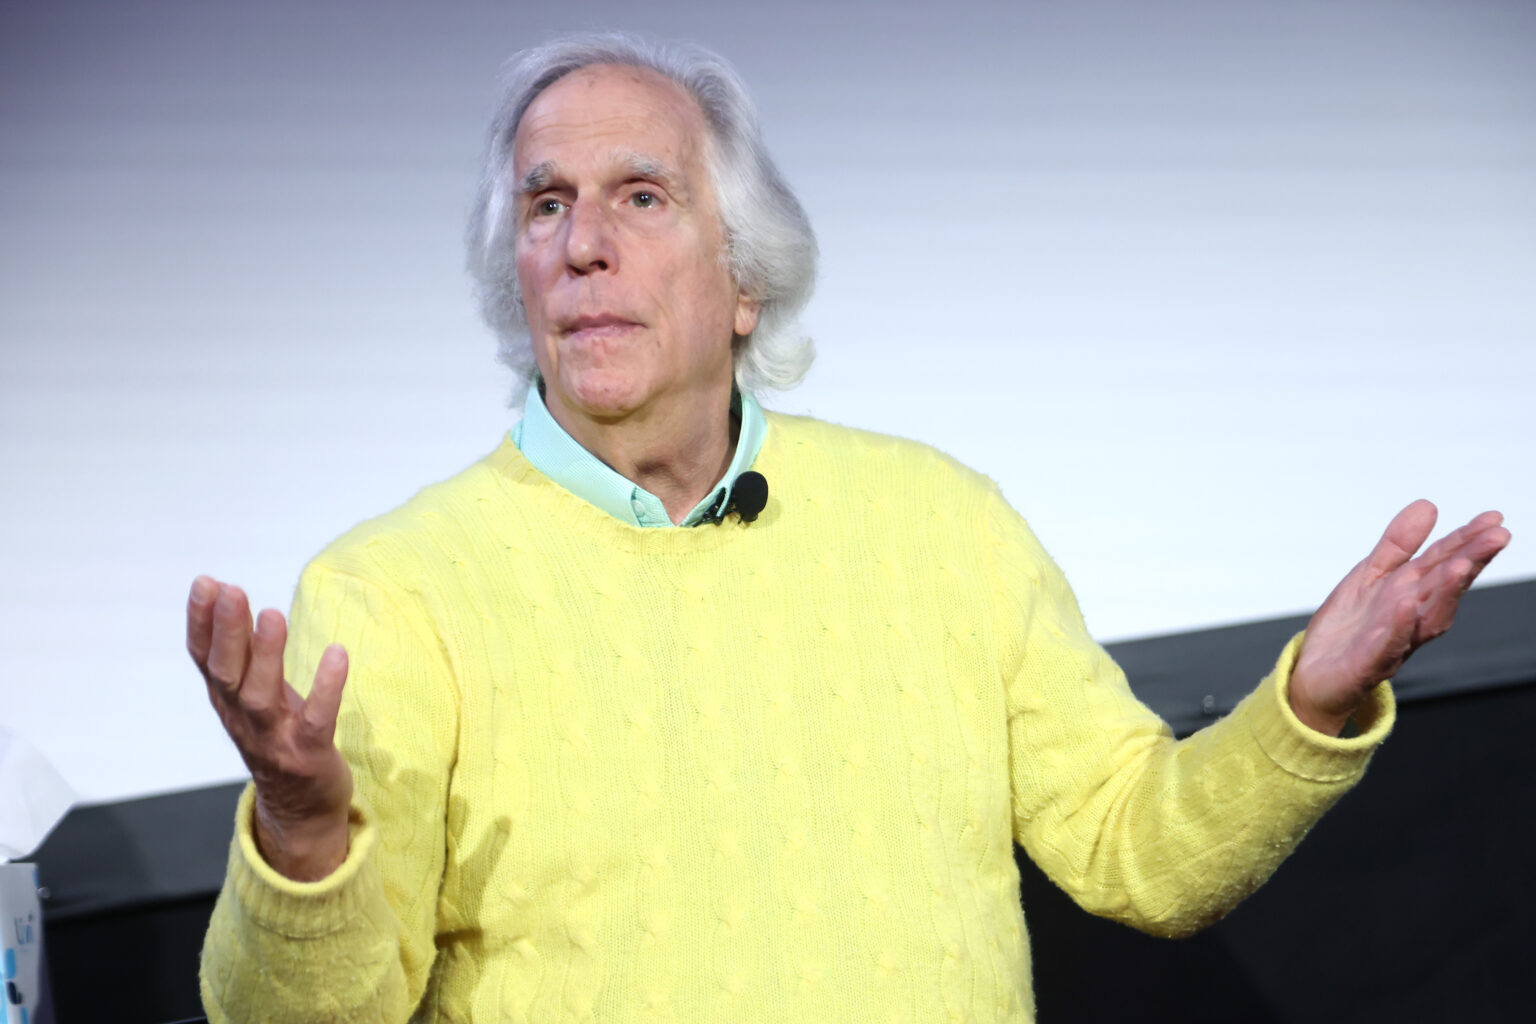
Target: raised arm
1168,836
303,785
313,925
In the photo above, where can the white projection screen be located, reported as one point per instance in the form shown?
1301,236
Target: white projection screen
1211,288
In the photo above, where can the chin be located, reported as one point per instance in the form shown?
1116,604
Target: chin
607,393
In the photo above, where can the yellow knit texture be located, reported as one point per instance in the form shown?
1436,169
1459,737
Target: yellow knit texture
737,773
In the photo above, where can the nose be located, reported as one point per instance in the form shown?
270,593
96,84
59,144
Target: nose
589,244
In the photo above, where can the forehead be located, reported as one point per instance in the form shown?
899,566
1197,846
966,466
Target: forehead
609,111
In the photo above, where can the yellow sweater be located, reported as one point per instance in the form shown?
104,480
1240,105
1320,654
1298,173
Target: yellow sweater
767,772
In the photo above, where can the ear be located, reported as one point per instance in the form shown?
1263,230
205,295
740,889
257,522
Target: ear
747,310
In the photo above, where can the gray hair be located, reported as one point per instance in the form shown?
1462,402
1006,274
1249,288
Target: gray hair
770,248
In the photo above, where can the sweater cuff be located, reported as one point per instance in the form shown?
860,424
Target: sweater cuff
1302,750
303,910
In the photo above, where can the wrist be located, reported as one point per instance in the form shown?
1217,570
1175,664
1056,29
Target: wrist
1318,720
304,851
1327,720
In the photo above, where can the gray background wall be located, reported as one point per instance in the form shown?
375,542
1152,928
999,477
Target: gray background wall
1212,288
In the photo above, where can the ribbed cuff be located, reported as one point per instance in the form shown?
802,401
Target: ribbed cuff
302,910
1302,750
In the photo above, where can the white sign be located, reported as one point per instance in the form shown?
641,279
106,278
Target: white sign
21,946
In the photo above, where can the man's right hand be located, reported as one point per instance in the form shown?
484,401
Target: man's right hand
303,785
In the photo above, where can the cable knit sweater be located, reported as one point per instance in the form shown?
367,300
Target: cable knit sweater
766,772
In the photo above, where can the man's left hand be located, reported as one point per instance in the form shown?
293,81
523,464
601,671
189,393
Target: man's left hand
1387,607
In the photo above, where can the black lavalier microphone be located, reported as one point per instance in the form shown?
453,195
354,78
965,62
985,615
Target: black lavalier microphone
749,496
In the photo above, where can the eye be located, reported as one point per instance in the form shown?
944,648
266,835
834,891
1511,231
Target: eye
547,207
645,200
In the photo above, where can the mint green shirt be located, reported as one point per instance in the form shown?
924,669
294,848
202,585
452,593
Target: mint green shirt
561,457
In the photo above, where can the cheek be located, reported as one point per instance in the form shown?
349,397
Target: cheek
704,283
530,276
524,269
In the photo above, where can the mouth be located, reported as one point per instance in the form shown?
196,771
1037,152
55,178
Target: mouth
597,325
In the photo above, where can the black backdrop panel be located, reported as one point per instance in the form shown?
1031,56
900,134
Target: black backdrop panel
1412,900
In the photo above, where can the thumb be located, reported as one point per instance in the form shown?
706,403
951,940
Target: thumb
1404,535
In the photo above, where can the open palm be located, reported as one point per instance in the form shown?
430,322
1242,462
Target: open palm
1388,606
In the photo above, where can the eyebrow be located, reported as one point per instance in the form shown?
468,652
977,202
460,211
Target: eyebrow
638,165
641,166
537,178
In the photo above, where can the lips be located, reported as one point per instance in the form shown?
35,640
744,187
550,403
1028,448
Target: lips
598,323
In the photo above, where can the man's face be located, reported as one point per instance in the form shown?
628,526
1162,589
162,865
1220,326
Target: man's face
620,249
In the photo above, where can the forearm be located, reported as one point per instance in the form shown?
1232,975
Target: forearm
1175,834
356,945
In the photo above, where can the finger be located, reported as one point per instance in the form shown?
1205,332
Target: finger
1472,552
262,689
1398,641
1449,546
200,600
230,648
1404,534
1437,607
1441,590
324,702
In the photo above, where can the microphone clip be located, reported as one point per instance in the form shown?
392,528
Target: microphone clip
749,496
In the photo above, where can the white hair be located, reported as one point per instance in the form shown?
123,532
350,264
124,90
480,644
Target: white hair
770,248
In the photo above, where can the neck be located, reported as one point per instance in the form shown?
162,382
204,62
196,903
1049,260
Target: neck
677,456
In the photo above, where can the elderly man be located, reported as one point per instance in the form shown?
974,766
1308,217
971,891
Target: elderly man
770,767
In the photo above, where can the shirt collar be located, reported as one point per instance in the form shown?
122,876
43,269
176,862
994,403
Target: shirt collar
561,457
